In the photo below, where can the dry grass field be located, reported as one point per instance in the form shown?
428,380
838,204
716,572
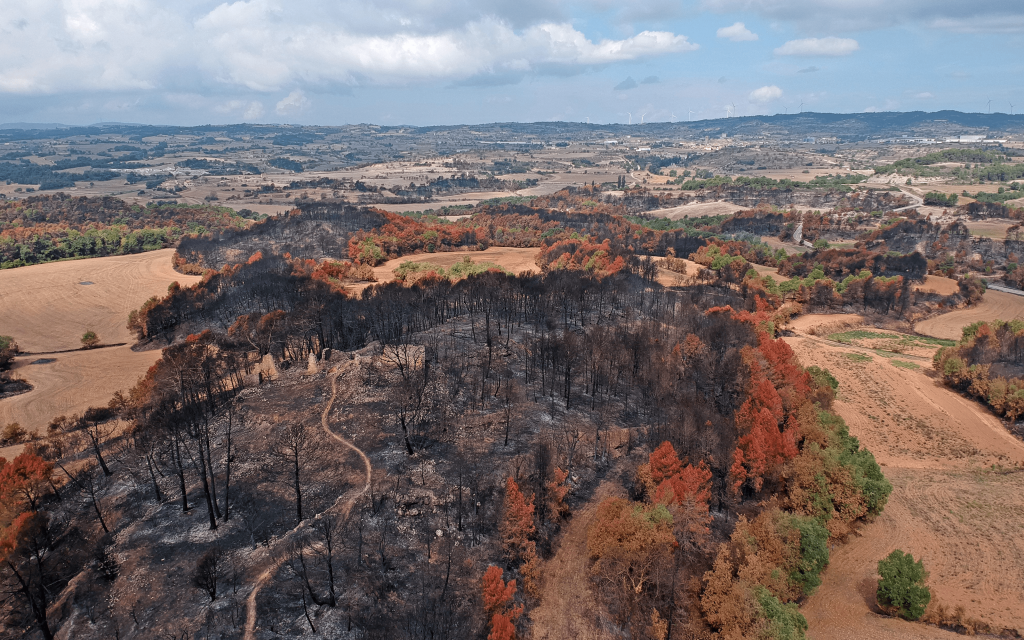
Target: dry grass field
47,309
995,229
72,382
958,499
696,210
513,259
995,305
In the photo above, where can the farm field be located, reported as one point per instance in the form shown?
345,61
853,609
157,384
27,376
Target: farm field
72,382
696,210
990,228
48,307
47,310
513,259
958,499
995,305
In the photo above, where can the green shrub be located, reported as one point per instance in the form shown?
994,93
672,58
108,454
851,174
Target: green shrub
813,553
901,587
822,377
861,463
784,621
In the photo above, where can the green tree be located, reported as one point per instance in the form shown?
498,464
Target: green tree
90,339
902,585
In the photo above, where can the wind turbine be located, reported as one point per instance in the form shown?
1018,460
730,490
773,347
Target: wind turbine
990,105
1011,108
642,117
689,116
801,106
630,118
734,108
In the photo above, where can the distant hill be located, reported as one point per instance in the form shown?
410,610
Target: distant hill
846,126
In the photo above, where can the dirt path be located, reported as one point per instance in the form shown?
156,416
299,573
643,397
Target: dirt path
567,608
343,505
957,501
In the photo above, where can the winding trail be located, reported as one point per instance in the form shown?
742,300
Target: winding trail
343,504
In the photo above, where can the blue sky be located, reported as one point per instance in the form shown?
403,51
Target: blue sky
427,62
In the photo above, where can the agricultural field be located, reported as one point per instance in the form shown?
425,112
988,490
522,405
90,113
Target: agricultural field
994,305
48,307
957,500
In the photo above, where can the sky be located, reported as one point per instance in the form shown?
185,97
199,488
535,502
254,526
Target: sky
432,62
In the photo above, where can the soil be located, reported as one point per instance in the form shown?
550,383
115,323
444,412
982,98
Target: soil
995,305
696,210
47,308
938,284
71,383
957,503
567,608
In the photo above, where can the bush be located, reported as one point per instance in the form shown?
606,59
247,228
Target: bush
785,622
12,434
813,554
822,377
901,589
90,339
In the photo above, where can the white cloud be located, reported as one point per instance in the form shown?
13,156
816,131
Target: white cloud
924,96
766,94
254,111
737,33
292,103
995,16
217,46
814,47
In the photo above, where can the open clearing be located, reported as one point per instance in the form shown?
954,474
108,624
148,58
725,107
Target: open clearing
513,259
990,228
72,382
995,305
696,210
567,608
950,506
46,309
938,284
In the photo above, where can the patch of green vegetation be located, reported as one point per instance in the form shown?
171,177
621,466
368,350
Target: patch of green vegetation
822,377
813,553
859,357
847,337
506,200
692,225
927,341
457,271
903,364
902,585
835,182
785,622
884,354
921,166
